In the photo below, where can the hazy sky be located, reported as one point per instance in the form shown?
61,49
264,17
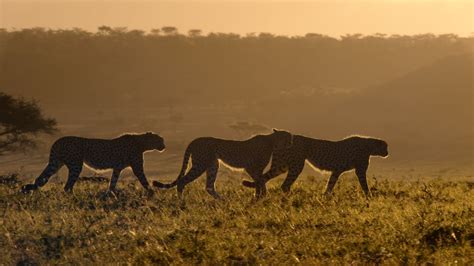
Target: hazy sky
335,18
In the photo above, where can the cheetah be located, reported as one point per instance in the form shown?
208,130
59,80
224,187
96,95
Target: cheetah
335,156
252,155
117,154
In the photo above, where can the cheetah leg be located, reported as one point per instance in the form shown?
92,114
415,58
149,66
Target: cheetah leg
137,169
192,175
260,185
361,174
260,188
52,168
293,173
114,179
272,173
211,180
74,171
332,182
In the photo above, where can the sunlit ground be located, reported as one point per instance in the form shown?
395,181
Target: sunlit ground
429,220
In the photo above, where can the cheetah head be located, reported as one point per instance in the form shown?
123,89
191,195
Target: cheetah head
379,148
153,141
281,139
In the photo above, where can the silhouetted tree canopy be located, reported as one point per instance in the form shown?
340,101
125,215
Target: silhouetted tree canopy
169,30
194,33
20,122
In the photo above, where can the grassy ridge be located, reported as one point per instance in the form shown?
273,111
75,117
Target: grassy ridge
423,221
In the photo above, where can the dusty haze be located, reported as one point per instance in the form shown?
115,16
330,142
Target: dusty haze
398,70
99,69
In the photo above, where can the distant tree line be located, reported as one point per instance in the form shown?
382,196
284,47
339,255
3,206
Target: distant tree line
114,66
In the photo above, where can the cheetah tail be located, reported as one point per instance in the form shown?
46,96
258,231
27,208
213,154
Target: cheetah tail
163,185
247,183
184,167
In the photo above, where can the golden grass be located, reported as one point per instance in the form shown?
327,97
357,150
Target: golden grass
427,221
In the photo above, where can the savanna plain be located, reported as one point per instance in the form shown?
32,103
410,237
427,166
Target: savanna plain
414,92
424,220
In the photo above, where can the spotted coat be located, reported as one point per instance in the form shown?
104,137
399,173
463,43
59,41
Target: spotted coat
117,154
334,156
252,155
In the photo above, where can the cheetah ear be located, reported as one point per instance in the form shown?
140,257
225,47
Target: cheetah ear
149,133
275,130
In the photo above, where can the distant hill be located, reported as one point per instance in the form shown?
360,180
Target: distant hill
430,108
424,114
451,76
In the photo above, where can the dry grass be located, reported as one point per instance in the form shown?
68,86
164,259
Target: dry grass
427,221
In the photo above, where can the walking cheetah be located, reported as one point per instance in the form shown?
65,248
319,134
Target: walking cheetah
253,155
117,154
335,156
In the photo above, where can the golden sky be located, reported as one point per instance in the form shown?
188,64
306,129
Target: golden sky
335,18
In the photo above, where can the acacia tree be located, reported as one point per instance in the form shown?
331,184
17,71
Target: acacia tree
169,30
20,122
